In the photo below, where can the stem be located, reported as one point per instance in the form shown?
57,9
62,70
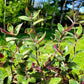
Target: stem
74,49
44,77
17,48
12,71
4,16
36,54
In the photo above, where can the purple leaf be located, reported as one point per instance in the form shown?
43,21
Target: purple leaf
33,65
82,82
6,32
1,56
37,68
49,67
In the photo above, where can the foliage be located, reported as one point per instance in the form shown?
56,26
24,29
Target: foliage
1,11
25,60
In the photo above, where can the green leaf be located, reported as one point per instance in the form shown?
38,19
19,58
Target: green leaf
57,33
17,29
66,49
37,75
60,27
73,82
73,65
79,31
19,43
27,30
29,65
25,18
32,80
20,78
28,13
18,56
69,18
82,78
10,28
79,51
38,21
1,77
60,58
55,80
70,43
41,39
33,56
9,79
36,14
11,38
81,21
71,34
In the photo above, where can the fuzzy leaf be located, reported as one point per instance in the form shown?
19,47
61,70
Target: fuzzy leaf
25,18
60,27
36,14
10,27
17,29
41,39
11,38
73,82
38,21
79,31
